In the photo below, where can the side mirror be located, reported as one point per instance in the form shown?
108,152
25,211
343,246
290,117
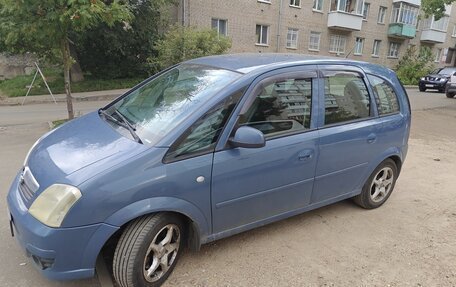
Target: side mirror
247,137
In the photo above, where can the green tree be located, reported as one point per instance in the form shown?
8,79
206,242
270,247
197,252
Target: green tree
120,51
44,27
435,7
184,43
415,64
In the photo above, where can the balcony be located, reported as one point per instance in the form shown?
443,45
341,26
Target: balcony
412,2
345,21
433,36
402,31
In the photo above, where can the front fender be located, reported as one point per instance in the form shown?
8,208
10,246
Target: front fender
162,204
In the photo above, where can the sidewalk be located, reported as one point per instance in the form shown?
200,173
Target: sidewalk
77,97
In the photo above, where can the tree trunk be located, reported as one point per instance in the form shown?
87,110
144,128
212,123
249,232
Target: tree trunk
75,71
66,76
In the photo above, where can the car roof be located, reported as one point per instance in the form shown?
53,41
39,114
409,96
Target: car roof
250,62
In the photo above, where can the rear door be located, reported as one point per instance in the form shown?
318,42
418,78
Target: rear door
348,133
252,185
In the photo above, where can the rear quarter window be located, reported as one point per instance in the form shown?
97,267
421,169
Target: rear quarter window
387,102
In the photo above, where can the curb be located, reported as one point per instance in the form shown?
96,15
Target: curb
46,99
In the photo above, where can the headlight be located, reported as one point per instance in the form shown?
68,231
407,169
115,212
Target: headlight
51,206
422,78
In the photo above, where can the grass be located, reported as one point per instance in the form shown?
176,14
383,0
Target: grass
17,87
58,123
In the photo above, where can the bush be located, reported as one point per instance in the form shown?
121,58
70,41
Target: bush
185,43
414,65
122,50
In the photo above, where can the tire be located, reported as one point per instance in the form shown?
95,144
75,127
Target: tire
378,186
441,90
422,89
450,95
149,240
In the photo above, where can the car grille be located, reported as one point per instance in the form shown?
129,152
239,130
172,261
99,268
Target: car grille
27,185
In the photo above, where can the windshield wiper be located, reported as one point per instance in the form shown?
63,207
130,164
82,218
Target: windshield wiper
123,123
129,126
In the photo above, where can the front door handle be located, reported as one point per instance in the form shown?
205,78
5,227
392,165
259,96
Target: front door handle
371,138
306,155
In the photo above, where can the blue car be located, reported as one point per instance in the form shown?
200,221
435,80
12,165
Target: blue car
203,150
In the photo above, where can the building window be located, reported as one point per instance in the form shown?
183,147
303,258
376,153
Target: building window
295,3
393,51
381,15
314,41
348,6
376,48
359,45
318,5
438,55
292,38
366,10
220,26
337,44
262,34
404,13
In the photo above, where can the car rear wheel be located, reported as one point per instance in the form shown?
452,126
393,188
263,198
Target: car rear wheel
148,250
379,186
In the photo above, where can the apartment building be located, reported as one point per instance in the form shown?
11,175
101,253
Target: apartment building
377,31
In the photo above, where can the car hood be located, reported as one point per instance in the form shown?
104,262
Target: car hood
77,145
438,76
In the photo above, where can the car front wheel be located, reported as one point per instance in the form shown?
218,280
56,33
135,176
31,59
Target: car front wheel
449,95
148,250
422,89
379,186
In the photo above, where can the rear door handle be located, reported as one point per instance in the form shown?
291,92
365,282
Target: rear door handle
306,154
371,138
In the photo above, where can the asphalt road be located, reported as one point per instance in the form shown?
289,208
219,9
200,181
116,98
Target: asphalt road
20,126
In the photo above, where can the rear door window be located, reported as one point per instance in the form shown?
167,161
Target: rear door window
346,97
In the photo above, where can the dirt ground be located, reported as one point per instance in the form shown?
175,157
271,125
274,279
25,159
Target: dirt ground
409,241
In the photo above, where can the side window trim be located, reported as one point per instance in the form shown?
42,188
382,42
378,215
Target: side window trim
327,69
311,74
252,95
252,84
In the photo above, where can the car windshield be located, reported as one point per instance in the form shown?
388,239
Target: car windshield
163,103
447,71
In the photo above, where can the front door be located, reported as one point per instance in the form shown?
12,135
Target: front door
251,185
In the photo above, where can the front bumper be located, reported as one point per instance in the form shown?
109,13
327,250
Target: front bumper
451,88
59,253
432,84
